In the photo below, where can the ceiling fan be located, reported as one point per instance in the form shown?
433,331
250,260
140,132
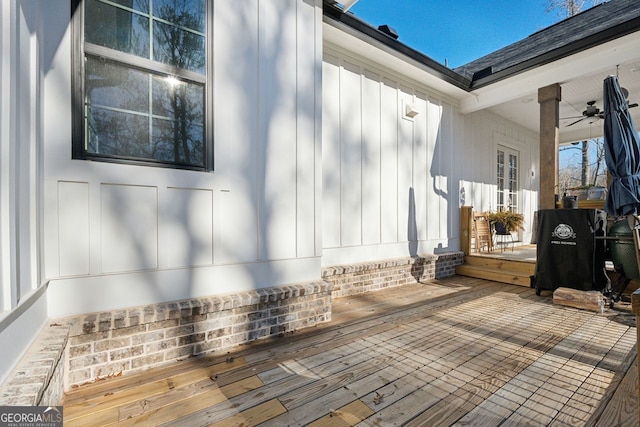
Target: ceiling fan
593,112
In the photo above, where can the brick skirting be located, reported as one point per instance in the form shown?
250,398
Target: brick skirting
103,345
39,377
373,276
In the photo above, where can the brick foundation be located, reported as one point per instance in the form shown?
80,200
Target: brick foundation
374,276
39,377
102,345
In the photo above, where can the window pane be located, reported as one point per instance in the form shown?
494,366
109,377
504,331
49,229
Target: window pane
175,46
117,133
110,85
185,13
117,113
116,28
189,148
178,125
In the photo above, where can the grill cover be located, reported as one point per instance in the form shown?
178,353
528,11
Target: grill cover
568,254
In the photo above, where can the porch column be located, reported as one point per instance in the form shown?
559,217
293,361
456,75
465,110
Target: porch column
549,98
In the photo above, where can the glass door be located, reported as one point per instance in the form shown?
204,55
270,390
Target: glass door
508,183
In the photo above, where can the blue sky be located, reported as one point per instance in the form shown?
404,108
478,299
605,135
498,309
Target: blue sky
457,30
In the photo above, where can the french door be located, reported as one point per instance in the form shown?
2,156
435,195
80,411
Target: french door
508,179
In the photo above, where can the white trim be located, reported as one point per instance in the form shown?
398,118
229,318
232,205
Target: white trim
8,42
20,328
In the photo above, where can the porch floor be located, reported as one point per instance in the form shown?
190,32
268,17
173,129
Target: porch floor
459,351
519,252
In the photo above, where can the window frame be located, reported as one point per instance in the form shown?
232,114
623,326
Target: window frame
82,49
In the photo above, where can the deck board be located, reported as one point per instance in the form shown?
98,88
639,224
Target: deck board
459,351
623,409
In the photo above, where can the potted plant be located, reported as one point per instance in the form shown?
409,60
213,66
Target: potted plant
505,222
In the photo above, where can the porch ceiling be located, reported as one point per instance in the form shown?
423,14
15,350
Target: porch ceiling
581,77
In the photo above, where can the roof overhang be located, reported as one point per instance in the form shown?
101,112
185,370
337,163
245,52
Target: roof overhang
580,75
601,58
344,31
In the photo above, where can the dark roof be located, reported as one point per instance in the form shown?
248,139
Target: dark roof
594,26
597,25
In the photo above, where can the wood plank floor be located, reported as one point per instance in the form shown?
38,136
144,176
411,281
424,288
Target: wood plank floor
458,351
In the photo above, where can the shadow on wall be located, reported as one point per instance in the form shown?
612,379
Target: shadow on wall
174,222
442,167
412,225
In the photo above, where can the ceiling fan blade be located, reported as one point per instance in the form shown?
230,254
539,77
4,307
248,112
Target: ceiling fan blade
572,117
571,124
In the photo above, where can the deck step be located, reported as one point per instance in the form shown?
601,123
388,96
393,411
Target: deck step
498,270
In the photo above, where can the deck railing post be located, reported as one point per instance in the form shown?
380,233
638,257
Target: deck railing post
635,307
466,218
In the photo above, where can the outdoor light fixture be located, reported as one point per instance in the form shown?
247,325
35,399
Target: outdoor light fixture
410,110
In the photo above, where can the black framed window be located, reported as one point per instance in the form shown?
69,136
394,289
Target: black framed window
141,82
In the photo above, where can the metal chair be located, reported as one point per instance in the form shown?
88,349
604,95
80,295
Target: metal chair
500,236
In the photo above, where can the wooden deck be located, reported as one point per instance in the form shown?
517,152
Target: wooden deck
459,351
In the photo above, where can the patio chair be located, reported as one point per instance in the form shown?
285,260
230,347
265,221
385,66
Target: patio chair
482,232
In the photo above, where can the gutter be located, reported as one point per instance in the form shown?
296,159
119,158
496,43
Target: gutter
334,13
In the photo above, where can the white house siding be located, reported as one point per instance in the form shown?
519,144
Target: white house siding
484,131
119,235
22,303
393,186
389,183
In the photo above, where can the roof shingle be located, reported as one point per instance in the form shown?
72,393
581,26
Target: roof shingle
600,23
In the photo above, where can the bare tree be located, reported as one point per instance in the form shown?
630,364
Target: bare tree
585,162
598,178
567,8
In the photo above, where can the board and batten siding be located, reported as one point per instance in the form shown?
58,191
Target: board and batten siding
484,132
393,186
390,182
119,235
23,302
